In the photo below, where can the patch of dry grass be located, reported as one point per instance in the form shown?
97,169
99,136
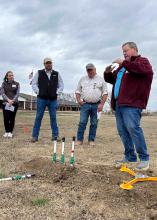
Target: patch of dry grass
89,191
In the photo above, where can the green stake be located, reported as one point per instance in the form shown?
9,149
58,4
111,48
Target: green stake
62,155
18,177
72,159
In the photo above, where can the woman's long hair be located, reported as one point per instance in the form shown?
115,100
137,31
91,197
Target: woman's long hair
6,76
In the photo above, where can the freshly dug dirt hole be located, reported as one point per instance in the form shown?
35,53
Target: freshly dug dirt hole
45,168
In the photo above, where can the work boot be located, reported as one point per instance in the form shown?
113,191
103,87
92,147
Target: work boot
91,143
78,143
34,139
58,139
143,166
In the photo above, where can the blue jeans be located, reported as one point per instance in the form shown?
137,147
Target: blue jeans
86,111
41,106
128,126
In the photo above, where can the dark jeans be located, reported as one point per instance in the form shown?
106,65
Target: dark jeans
128,125
41,106
86,111
9,118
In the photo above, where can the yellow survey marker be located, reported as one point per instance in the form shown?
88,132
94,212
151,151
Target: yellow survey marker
138,178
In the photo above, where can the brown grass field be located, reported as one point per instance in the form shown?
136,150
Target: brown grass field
89,191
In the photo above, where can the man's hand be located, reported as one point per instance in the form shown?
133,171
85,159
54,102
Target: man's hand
109,69
100,107
81,102
118,61
10,102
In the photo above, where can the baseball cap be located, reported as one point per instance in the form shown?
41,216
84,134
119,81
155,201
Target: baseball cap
90,66
47,59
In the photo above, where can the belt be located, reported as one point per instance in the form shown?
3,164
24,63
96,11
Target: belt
92,103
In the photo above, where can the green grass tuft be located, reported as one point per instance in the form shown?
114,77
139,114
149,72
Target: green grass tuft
39,202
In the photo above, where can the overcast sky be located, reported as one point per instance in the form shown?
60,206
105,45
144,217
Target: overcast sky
74,33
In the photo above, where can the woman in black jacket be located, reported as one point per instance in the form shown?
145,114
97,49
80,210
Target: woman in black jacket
10,93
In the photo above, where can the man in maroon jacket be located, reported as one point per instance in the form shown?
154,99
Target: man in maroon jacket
131,87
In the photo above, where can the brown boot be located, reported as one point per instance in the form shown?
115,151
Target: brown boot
34,139
78,143
91,143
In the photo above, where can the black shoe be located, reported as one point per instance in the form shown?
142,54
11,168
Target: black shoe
34,139
56,138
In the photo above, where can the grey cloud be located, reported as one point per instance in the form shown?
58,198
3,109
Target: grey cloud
74,33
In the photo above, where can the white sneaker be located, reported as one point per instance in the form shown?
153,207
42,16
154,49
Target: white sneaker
5,135
10,135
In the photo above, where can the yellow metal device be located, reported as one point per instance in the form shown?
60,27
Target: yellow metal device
137,178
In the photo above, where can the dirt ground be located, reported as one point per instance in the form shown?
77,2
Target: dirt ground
89,191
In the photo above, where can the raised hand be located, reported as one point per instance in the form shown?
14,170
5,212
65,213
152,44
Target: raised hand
109,69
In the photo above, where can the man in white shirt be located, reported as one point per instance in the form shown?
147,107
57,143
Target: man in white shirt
91,94
47,84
